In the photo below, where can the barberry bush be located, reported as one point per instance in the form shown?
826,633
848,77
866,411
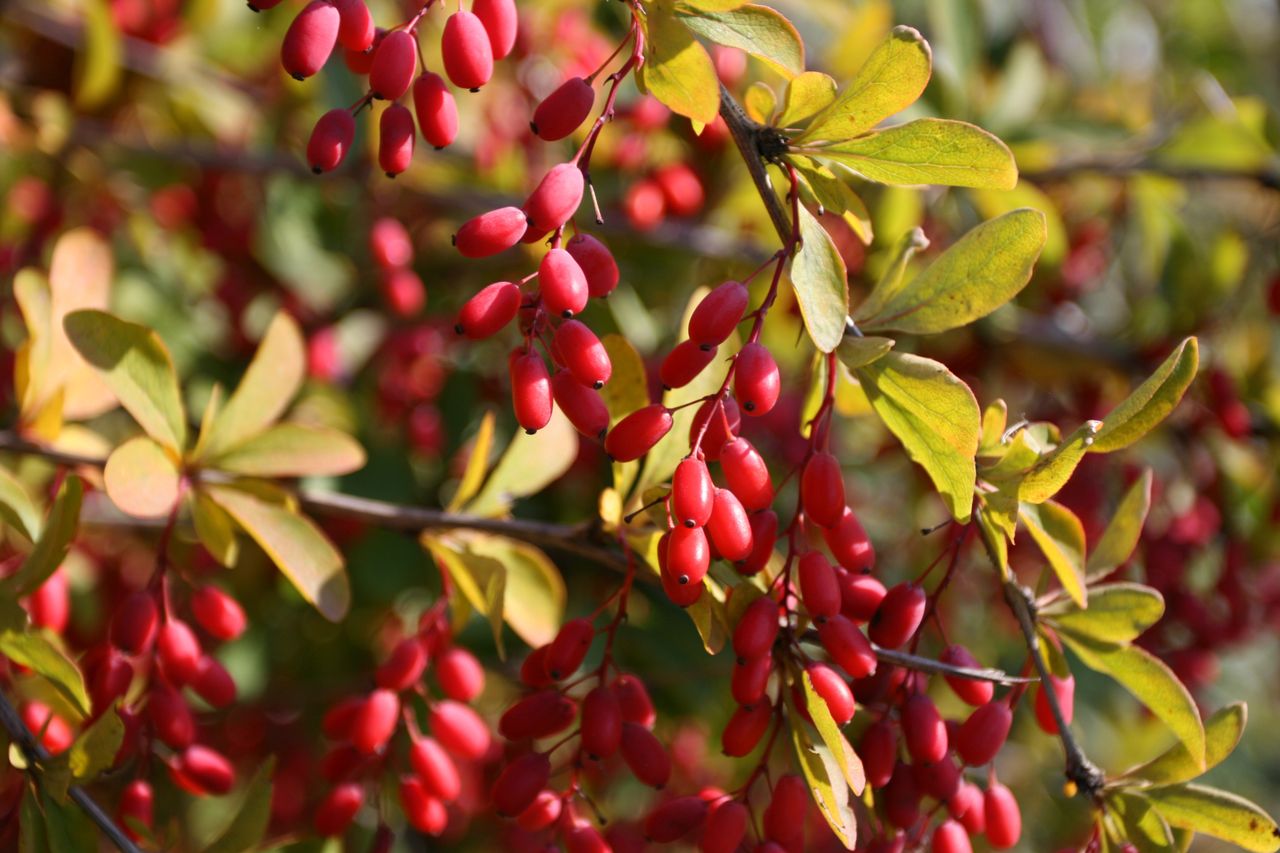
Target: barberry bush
804,426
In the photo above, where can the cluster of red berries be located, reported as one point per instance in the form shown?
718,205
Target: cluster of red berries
392,253
364,729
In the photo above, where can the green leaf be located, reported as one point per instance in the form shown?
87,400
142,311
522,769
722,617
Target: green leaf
214,529
857,352
826,785
995,417
477,464
16,509
266,389
1117,613
94,751
834,195
529,464
763,32
135,365
891,80
59,529
759,101
294,450
983,270
1143,825
846,759
1151,402
677,70
38,654
1060,536
142,478
708,616
821,284
713,5
1222,732
295,545
1223,815
247,828
934,415
806,95
1052,470
1124,529
98,64
1152,683
66,827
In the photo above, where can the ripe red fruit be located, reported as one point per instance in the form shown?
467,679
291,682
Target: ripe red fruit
729,528
310,39
950,837
924,729
207,769
108,675
134,626
330,140
756,629
878,750
583,353
692,493
750,678
337,721
822,490
355,25
537,715
459,674
213,683
783,819
764,532
394,63
488,311
564,110
681,594
459,729
569,648
436,769
972,691
359,62
644,205
137,807
375,722
338,809
530,390
681,189
981,736
756,380
500,22
674,819
849,543
562,284
637,433
491,233
684,363
726,827
49,606
556,198
819,589
582,837
404,667
745,728
898,616
54,733
601,723
834,691
688,555
218,613
634,701
722,421
404,292
1002,815
1064,690
847,646
965,805
860,596
542,812
583,406
466,51
718,314
645,755
436,109
426,813
746,474
396,137
597,264
901,798
178,651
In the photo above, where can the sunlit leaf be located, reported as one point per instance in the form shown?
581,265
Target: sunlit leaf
38,654
826,784
1060,536
806,95
759,101
763,32
16,509
56,535
249,824
1117,613
847,760
98,64
833,193
294,450
1218,813
1052,470
855,352
477,464
142,478
94,751
80,272
214,529
1151,402
1144,827
1222,732
529,464
927,151
821,284
677,70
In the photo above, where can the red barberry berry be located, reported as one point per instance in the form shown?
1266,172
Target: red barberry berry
637,433
564,110
394,63
436,109
330,140
466,51
756,381
822,490
597,264
310,39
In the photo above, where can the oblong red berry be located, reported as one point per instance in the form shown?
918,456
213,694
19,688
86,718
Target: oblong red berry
729,528
902,797
564,110
819,589
849,543
784,818
847,646
50,604
394,63
562,284
716,421
634,701
756,380
355,25
834,690
940,780
403,290
822,490
1064,690
530,391
688,556
330,140
980,737
675,818
970,690
436,769
178,651
719,313
459,729
404,667
134,626
396,137
466,51
218,613
213,683
597,263
924,729
950,837
542,812
537,715
206,768
500,22
375,722
878,750
583,406
644,205
860,596
750,679
426,812
746,474
171,717
109,674
681,594
966,806
338,809
569,648
601,722
436,109
582,352
692,493
683,364
488,311
645,755
898,616
459,674
310,39
491,233
681,189
1002,815
359,62
556,197
637,433
757,628
137,805
764,533
389,245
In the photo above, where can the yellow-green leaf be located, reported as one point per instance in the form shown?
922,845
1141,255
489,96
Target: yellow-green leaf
1222,732
98,64
846,759
935,416
135,365
708,617
833,193
1052,470
984,269
80,273
1143,825
295,545
1117,613
806,95
294,450
826,785
927,151
1151,402
51,547
713,5
821,284
891,80
677,70
266,389
95,749
529,463
1218,813
858,352
763,32
1123,530
995,417
759,101
477,464
35,652
214,528
16,509
142,478
246,829
1060,536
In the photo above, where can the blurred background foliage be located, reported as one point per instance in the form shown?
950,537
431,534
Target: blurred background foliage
1146,130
